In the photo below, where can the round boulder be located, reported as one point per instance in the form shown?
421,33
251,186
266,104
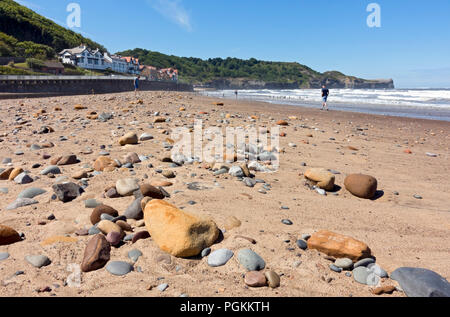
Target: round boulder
362,186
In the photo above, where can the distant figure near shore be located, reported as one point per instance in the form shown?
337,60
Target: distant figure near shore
325,94
136,85
236,93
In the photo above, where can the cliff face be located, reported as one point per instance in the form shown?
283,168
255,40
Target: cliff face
330,82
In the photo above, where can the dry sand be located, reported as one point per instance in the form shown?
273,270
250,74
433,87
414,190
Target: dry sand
400,230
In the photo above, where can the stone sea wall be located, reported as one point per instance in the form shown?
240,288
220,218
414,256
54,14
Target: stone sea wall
31,86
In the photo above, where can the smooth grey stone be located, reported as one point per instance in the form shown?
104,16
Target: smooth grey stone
61,179
250,260
375,268
123,218
4,256
128,237
249,182
348,274
321,191
219,257
220,172
7,160
284,208
418,282
418,197
31,192
23,178
206,252
236,171
51,169
93,231
67,192
162,287
306,237
19,152
302,244
364,262
106,217
21,202
287,222
431,155
92,203
35,147
335,268
105,116
344,263
4,190
119,268
360,274
134,211
134,255
38,260
145,137
334,172
103,153
373,279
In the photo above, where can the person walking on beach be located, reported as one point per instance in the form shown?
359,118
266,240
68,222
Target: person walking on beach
136,85
236,93
325,94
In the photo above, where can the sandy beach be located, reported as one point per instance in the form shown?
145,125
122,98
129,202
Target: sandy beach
401,230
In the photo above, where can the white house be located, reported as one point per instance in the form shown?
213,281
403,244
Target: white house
116,63
83,57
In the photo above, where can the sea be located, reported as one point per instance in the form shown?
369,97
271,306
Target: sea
432,104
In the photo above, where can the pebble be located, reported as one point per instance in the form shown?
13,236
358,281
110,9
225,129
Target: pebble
38,260
113,238
162,287
21,202
4,256
376,269
93,231
92,203
273,279
335,268
344,263
206,252
23,178
31,192
249,182
51,170
250,260
419,282
360,274
364,262
219,257
119,268
134,255
255,279
418,197
372,279
287,222
302,244
236,171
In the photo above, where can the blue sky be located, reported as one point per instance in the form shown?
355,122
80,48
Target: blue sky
412,46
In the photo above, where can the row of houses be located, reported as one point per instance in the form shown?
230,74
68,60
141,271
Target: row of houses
84,57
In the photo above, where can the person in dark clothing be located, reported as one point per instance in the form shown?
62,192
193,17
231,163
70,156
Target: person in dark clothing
325,94
136,85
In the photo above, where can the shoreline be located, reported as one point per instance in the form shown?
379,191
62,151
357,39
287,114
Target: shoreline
404,111
401,231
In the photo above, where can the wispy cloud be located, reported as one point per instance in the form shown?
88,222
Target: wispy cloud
174,11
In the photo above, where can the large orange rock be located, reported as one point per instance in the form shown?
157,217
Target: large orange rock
177,232
8,235
129,138
322,177
104,162
338,246
362,186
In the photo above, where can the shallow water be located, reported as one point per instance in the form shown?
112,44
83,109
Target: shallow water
433,104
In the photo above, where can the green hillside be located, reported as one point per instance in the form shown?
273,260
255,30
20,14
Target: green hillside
24,33
200,71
